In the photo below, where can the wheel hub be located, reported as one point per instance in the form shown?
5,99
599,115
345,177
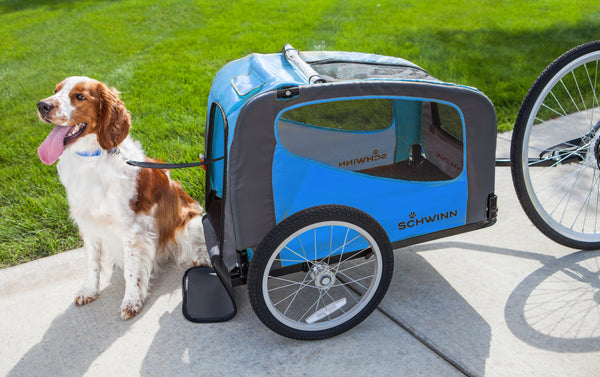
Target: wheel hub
323,275
597,152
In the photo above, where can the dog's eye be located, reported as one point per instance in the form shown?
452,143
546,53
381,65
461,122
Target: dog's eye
80,97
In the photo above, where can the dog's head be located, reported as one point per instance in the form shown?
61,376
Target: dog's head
82,106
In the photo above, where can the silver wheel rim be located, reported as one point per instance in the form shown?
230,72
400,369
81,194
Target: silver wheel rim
566,197
330,293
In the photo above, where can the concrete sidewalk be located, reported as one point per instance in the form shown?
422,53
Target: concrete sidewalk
503,301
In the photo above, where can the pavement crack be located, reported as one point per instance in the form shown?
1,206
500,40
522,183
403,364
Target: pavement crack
429,344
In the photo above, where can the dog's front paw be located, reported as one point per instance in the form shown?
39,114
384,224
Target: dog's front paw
201,262
85,297
130,309
201,259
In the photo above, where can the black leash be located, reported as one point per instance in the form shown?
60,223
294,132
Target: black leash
160,165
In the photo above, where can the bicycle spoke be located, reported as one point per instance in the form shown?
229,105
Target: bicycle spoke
593,89
586,204
315,241
564,113
333,300
579,90
552,166
358,265
355,281
294,294
569,93
300,256
312,306
570,193
302,247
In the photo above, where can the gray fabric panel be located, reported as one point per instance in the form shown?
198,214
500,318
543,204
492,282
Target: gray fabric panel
480,139
250,192
229,246
210,236
250,189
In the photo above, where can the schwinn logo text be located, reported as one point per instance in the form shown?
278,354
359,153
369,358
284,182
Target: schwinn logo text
414,221
362,160
448,161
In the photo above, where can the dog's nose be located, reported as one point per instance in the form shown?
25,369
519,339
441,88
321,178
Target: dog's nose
44,107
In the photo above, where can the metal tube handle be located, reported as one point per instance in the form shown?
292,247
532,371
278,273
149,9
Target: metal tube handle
293,56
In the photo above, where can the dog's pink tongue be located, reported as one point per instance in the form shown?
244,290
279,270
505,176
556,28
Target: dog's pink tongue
51,149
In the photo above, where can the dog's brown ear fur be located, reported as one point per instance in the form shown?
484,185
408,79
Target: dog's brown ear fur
114,121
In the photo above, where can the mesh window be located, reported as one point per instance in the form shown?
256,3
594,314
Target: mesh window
337,71
357,115
389,138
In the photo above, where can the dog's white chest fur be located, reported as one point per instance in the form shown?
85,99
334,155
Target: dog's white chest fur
100,188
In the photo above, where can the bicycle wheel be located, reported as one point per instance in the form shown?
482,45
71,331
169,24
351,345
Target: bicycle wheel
555,149
320,272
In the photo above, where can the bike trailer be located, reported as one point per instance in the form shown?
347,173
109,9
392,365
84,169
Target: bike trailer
323,159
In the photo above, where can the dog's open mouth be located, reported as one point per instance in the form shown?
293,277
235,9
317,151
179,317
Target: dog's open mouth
61,136
75,131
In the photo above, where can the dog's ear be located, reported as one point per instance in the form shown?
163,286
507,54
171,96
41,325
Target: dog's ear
113,121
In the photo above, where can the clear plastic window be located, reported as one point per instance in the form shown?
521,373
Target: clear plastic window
354,115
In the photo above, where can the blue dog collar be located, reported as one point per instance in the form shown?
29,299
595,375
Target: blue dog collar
95,153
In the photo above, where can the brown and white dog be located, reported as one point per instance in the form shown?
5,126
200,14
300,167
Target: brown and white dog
129,216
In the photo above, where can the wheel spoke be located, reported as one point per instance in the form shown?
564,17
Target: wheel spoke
595,97
579,90
557,163
355,281
585,204
303,257
357,265
569,92
334,300
316,303
563,114
293,294
570,194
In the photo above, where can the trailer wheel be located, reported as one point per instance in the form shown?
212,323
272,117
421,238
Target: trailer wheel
320,272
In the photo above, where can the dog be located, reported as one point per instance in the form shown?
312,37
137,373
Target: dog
136,218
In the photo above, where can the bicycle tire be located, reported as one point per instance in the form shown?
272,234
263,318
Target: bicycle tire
560,198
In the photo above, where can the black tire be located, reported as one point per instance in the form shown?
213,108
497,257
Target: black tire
320,295
555,149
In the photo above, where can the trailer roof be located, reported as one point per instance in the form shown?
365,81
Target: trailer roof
241,79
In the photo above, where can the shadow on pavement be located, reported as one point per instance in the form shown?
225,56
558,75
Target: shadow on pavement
555,308
433,311
67,350
419,296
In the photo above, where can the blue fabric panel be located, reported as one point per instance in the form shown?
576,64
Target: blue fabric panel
217,150
236,83
405,209
247,83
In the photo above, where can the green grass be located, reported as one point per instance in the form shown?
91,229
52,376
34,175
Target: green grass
163,56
